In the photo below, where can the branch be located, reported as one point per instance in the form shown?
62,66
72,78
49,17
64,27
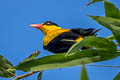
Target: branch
25,75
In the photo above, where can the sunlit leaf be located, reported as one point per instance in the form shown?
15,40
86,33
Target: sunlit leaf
4,65
105,21
110,23
60,61
84,75
112,11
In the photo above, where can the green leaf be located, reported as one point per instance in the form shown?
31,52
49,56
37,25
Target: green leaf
110,37
40,76
93,1
4,66
117,77
60,61
107,21
31,57
84,75
117,36
111,10
98,42
110,23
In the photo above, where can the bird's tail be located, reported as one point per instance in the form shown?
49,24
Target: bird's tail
85,32
89,32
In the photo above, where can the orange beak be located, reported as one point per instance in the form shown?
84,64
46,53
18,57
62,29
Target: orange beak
38,26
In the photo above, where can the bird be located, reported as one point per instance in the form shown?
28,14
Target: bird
59,40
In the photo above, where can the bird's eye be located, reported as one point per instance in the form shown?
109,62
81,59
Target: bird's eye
49,23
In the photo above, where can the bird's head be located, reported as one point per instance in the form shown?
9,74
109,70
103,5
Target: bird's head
46,27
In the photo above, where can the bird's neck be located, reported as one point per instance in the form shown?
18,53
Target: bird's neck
49,30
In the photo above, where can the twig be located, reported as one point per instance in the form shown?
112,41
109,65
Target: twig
25,75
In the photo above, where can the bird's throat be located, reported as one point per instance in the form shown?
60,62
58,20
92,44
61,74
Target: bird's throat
48,29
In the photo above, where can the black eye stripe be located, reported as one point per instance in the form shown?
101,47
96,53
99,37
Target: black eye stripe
49,23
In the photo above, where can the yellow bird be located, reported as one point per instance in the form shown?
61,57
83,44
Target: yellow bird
59,40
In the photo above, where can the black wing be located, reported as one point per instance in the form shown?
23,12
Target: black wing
62,43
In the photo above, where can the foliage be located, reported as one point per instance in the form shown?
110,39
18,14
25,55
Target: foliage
117,77
93,1
102,49
4,65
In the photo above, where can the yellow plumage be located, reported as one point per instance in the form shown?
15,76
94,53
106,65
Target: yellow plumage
51,33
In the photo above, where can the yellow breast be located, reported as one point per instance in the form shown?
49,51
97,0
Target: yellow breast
52,34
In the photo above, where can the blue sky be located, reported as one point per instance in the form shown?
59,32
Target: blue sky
18,40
